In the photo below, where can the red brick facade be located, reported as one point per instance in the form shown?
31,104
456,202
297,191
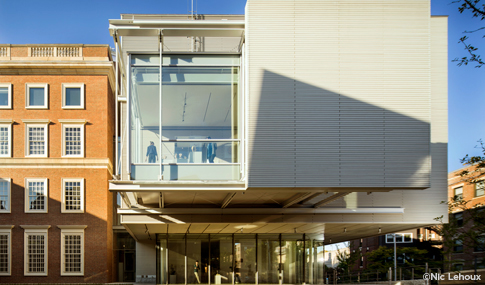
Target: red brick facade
95,168
469,255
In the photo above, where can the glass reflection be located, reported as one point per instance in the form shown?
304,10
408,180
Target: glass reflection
268,259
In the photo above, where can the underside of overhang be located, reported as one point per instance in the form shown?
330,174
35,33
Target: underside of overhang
330,232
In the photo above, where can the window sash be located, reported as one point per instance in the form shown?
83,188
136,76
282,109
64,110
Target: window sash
5,195
5,140
72,252
36,195
5,252
36,253
73,195
73,140
36,96
5,96
37,140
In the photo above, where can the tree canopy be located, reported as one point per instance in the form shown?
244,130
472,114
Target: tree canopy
477,10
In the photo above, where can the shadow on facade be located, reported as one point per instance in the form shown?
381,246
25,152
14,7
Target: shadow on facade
98,235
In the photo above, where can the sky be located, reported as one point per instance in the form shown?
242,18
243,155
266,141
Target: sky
86,22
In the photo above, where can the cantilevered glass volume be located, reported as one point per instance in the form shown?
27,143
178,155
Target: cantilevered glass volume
186,126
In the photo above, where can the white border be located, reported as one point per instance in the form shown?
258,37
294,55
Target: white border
8,232
9,126
26,194
36,231
9,196
9,91
46,95
46,138
72,85
75,125
63,190
77,231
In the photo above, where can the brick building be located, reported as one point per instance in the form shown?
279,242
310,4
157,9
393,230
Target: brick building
56,148
464,254
420,238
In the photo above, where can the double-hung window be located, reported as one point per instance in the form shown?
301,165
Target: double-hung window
36,195
6,138
35,250
72,195
458,192
5,195
72,138
36,95
36,138
479,188
73,95
72,250
5,96
5,250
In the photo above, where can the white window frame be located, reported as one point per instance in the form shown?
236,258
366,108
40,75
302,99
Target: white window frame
37,123
63,189
27,95
46,195
9,196
72,85
36,230
7,230
8,124
9,91
69,124
71,230
399,238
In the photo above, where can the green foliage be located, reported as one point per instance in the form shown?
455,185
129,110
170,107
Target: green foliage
477,10
347,260
383,258
469,229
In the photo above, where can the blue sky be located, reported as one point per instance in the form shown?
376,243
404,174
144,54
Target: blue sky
67,21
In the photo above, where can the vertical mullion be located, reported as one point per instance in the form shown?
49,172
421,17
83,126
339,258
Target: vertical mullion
160,108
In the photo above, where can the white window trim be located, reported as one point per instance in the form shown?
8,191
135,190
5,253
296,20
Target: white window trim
72,85
27,95
36,123
36,230
7,229
72,123
9,86
63,188
9,196
46,195
72,229
401,237
8,123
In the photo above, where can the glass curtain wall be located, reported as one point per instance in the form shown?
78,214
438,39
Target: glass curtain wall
240,259
188,129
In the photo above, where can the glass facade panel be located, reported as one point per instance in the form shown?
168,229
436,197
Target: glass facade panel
200,102
231,259
245,258
198,258
292,248
269,258
145,114
176,259
194,119
221,259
